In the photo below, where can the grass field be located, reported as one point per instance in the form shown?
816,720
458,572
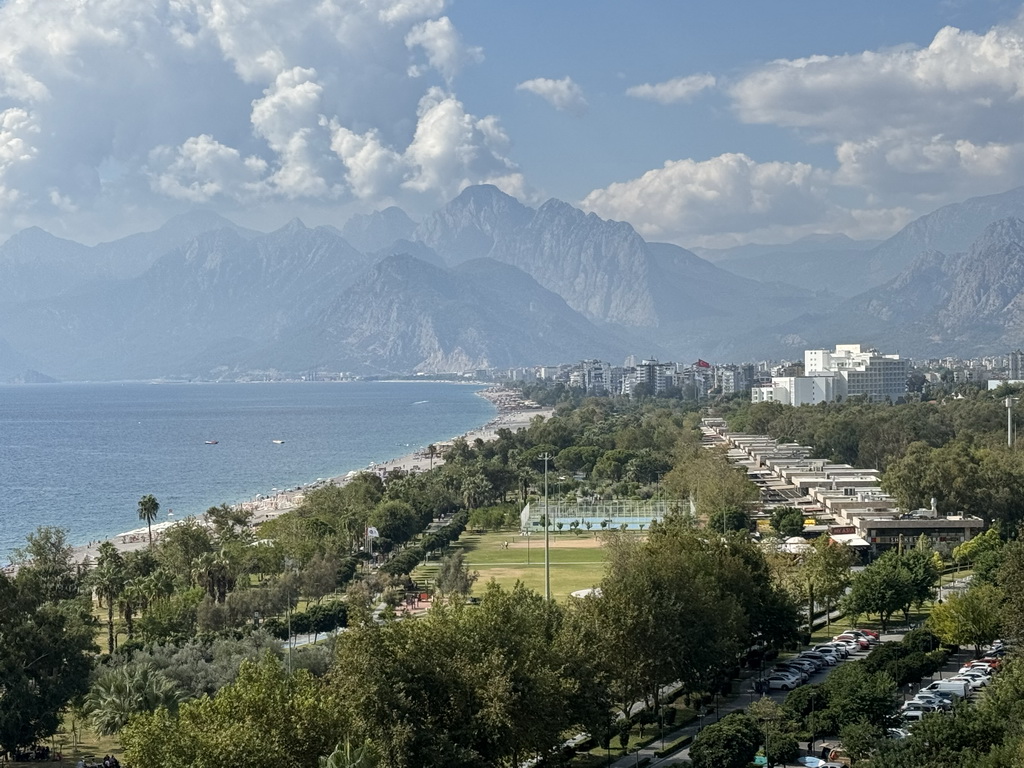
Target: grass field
576,562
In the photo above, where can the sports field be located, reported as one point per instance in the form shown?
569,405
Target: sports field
577,562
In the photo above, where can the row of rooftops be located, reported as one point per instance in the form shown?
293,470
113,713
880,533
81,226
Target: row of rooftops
846,501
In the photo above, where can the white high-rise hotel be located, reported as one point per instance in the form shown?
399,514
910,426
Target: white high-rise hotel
845,372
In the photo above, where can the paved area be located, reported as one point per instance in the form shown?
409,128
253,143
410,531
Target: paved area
747,695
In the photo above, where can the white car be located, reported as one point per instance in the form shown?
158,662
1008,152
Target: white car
978,679
976,666
851,646
936,701
832,650
779,681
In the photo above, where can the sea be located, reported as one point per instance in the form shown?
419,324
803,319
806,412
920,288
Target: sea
80,456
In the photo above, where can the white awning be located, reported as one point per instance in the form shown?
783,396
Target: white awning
849,539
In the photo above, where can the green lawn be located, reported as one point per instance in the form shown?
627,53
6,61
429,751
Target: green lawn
577,562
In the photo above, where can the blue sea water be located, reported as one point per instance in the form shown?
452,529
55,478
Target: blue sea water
80,456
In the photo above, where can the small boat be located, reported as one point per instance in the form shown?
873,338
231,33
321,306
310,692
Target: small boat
278,442
211,442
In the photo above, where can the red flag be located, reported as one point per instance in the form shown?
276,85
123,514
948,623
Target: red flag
703,364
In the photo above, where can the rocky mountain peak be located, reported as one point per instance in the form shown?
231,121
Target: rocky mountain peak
377,230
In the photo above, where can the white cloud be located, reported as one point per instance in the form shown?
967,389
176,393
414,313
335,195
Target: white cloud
962,83
201,170
452,148
730,199
672,91
563,95
255,104
444,48
394,12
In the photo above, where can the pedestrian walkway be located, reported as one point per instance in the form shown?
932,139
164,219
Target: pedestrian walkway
737,702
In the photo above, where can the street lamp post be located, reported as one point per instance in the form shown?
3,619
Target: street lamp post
547,525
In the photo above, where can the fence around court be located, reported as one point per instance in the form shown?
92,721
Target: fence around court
601,515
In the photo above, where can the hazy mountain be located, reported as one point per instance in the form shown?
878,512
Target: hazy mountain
604,269
219,289
967,303
408,248
485,281
833,263
472,224
406,314
809,244
378,230
34,264
950,229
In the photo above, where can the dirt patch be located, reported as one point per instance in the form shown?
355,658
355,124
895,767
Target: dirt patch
560,541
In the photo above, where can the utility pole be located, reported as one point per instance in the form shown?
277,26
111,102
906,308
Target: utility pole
547,525
1009,420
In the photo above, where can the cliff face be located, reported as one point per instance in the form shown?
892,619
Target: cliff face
485,281
406,314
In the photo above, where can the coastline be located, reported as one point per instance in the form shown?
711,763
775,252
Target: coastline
512,413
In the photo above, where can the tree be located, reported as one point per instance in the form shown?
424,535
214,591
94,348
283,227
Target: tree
884,587
46,563
123,692
265,719
787,521
732,742
453,578
780,742
825,573
505,688
351,757
45,655
108,580
148,508
972,618
731,519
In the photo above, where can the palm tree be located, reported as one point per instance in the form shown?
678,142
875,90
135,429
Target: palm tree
350,757
119,694
431,453
108,580
148,507
134,599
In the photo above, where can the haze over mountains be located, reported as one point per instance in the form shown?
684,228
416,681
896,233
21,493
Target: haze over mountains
487,281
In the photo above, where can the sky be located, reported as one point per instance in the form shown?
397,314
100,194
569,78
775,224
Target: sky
703,124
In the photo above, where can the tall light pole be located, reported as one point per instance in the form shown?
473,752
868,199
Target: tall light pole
547,525
1009,420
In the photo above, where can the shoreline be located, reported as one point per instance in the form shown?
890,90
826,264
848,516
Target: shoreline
512,413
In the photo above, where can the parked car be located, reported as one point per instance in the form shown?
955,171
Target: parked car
782,681
897,733
976,666
871,636
862,642
806,665
825,658
912,715
918,706
799,672
976,681
936,701
959,688
839,649
851,645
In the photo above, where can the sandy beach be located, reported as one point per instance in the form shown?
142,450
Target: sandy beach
513,414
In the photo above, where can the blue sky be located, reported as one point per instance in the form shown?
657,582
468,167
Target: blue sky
706,124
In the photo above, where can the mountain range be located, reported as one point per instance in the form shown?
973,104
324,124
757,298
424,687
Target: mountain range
487,281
